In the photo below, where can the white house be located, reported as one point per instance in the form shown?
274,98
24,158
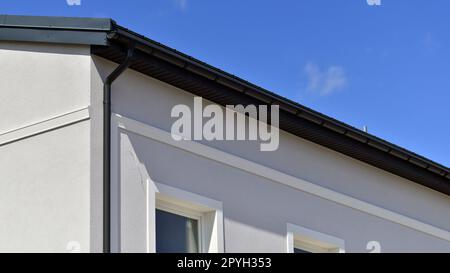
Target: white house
88,162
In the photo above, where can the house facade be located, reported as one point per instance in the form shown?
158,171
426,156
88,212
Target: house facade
88,162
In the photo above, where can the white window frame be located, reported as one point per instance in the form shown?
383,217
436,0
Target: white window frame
188,213
207,211
312,241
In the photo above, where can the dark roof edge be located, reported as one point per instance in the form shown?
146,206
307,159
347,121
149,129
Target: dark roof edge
66,30
174,72
103,32
56,22
244,86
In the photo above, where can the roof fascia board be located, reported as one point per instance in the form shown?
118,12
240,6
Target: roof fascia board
53,36
73,23
89,31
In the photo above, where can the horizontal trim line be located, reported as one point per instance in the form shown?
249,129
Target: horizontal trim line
276,176
44,126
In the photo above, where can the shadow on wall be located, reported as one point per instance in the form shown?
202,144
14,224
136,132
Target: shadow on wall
257,210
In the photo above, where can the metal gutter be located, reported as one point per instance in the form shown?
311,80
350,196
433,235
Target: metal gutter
55,22
65,30
107,147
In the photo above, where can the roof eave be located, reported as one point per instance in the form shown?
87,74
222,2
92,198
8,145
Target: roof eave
437,176
64,30
102,34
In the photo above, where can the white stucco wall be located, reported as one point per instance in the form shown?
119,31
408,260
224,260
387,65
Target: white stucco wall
256,210
44,191
51,182
39,81
44,162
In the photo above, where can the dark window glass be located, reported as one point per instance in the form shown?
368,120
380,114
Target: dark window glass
299,250
176,233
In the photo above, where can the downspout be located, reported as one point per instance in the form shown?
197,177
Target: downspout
107,147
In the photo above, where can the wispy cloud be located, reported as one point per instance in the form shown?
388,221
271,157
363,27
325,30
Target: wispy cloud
430,42
324,81
181,4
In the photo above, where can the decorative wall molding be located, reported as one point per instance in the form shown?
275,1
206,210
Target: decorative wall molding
228,159
44,126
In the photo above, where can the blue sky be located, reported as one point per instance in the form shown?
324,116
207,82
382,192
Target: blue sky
387,67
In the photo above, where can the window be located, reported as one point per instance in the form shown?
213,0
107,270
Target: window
185,222
302,245
177,232
299,249
303,240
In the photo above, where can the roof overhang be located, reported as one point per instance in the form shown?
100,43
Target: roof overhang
110,41
63,30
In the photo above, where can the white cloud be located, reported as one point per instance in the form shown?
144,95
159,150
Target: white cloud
430,42
73,2
324,81
181,4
